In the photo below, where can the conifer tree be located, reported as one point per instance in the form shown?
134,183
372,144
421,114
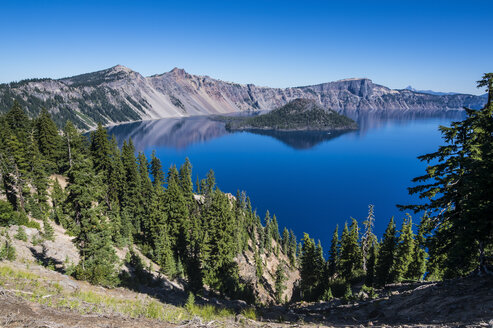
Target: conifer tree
48,139
72,145
93,239
309,269
369,237
18,121
334,252
275,229
458,190
58,197
405,249
156,170
417,267
292,248
116,176
285,240
259,268
165,256
267,232
131,199
279,284
175,207
386,256
185,178
100,152
208,185
48,231
146,191
192,257
371,265
38,175
218,220
15,159
350,252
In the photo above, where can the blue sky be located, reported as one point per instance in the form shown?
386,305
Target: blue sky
439,45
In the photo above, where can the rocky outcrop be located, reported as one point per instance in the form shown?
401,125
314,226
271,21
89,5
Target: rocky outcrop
119,94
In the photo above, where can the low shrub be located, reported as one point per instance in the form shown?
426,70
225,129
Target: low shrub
7,251
21,234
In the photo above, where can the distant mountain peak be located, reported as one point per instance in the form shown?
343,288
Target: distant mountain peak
120,68
355,79
430,92
178,71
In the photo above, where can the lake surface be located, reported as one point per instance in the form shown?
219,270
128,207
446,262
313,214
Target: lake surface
311,181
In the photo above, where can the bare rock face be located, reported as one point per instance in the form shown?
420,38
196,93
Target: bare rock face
119,94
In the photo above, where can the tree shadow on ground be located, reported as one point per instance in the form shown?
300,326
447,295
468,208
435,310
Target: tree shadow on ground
47,261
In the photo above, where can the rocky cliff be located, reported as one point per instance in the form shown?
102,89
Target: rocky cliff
119,94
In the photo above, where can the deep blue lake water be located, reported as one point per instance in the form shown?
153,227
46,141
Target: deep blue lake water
311,181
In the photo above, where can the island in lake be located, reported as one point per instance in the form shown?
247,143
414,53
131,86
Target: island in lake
297,115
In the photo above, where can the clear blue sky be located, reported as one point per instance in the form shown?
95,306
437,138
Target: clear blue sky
439,45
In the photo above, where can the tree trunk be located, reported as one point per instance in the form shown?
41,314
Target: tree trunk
482,267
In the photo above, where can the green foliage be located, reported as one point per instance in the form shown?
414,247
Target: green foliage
190,302
312,268
21,234
348,293
458,188
93,238
337,286
285,240
280,279
111,200
7,251
36,240
350,251
405,250
386,257
249,313
371,265
327,295
370,291
417,267
48,139
297,114
368,240
48,231
7,214
259,267
334,253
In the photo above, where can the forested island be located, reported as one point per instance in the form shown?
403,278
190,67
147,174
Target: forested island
298,114
127,216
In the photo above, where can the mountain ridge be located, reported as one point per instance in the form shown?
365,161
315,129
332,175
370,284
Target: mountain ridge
119,94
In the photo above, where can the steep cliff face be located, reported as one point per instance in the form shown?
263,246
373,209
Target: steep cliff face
119,94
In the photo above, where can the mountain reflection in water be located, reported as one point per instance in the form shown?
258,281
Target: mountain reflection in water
176,133
180,133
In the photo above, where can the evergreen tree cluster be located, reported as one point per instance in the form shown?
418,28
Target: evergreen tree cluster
357,257
455,234
116,197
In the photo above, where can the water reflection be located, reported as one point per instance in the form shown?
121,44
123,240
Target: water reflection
180,133
300,139
375,119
